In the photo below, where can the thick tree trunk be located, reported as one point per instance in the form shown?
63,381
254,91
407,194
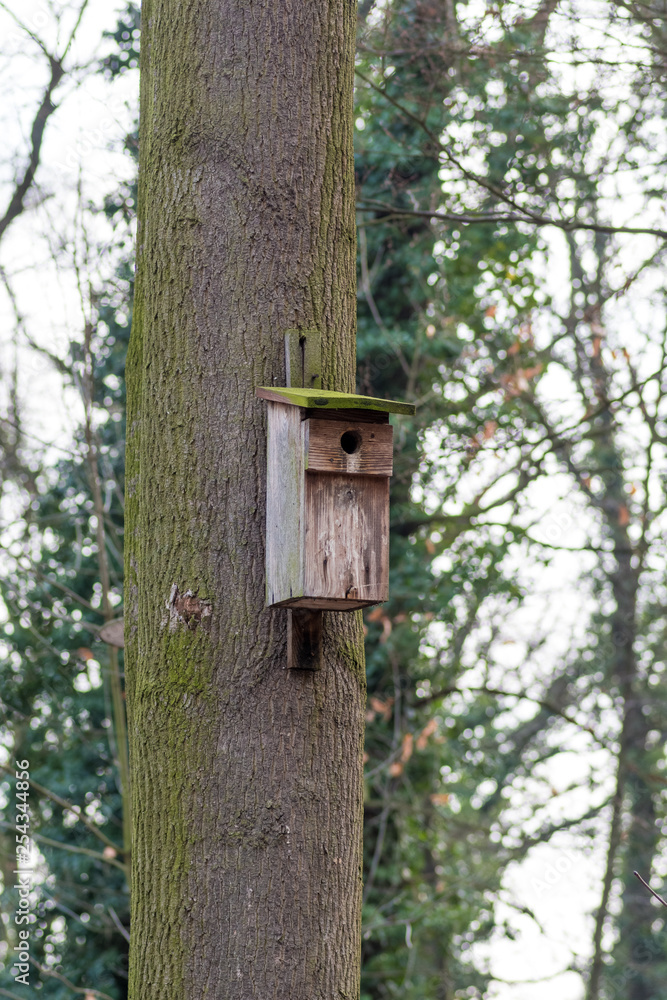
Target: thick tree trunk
246,777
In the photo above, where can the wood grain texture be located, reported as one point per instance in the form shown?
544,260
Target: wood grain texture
285,504
347,537
368,417
327,528
325,447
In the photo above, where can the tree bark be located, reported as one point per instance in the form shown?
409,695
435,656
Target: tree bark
634,835
246,777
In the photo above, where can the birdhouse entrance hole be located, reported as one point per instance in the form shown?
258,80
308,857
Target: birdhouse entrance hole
350,442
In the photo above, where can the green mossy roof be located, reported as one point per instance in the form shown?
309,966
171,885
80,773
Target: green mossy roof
325,400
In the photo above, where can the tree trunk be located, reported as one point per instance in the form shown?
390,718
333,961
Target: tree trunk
634,836
246,777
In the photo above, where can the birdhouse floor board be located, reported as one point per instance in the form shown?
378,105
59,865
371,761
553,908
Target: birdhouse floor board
324,604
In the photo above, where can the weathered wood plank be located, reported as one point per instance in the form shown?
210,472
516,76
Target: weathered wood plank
347,537
284,504
355,448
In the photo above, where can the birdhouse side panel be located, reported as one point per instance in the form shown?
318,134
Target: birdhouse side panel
347,538
285,497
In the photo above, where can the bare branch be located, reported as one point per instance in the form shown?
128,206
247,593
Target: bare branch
81,990
40,838
117,922
46,108
493,218
652,891
70,808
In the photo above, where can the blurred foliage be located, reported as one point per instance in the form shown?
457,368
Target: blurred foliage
454,317
56,713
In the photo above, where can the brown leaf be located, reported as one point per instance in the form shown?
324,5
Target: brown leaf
382,708
395,768
386,629
623,516
406,748
427,731
528,373
439,799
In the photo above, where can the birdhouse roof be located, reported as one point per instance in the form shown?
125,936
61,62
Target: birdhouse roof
321,399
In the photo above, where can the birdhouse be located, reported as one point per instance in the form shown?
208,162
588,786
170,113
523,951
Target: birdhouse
327,498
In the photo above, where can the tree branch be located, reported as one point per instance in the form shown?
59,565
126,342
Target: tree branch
522,215
45,110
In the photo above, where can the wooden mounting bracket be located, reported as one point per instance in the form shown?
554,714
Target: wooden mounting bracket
304,640
303,370
303,359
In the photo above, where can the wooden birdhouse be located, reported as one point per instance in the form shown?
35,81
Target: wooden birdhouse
327,498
